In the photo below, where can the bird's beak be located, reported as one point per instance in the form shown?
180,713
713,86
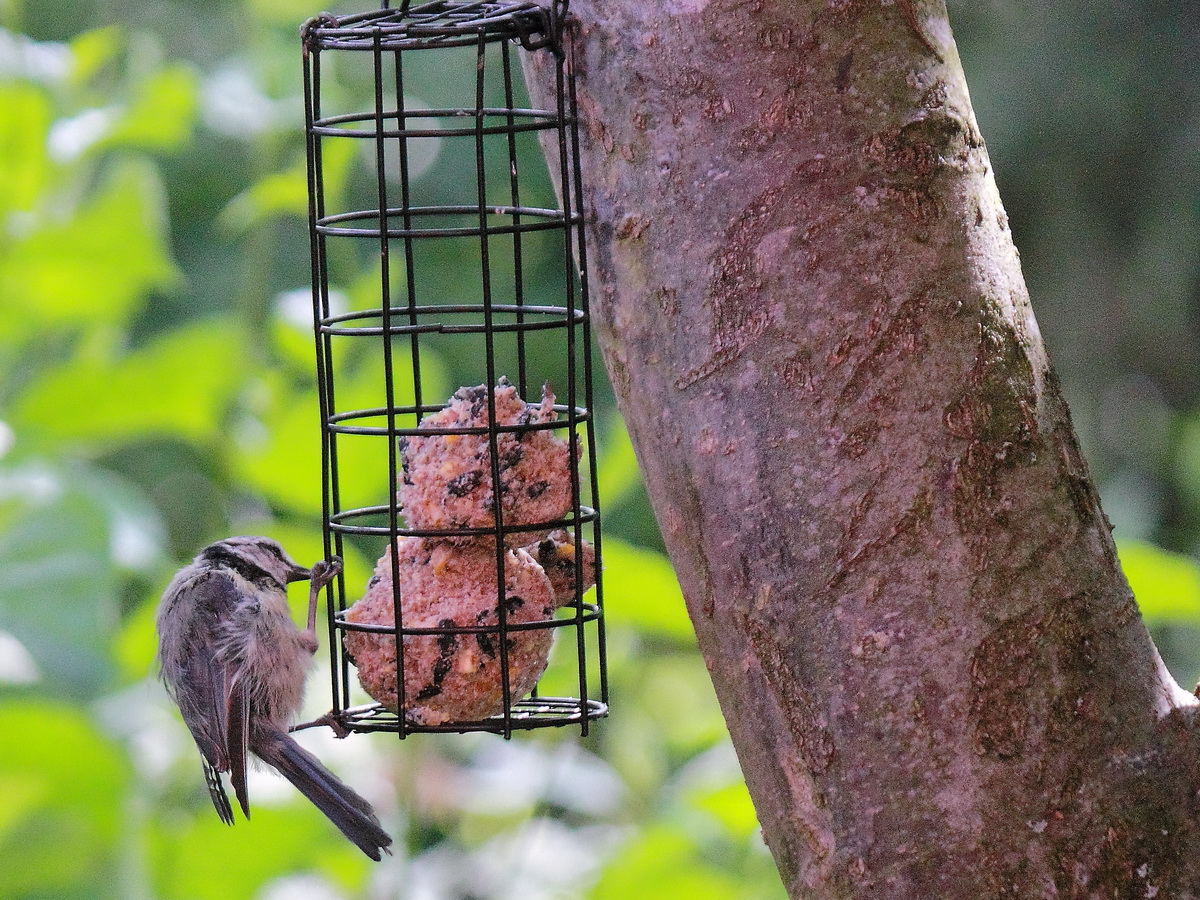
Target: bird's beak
298,573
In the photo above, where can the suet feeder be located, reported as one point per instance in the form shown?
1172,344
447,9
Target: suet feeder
481,508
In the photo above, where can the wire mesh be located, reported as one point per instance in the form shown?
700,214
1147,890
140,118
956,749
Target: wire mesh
487,500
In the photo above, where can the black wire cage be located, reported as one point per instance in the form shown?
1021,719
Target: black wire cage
488,535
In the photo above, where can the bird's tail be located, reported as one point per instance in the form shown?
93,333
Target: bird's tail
346,809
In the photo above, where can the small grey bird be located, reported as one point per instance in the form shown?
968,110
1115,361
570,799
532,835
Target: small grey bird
235,664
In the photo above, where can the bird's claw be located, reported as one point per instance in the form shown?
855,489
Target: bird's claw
324,571
339,730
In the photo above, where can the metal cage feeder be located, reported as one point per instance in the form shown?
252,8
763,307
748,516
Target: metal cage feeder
488,536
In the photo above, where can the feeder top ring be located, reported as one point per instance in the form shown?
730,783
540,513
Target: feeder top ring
441,23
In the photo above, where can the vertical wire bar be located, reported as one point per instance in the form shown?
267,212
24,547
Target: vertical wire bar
568,48
406,211
489,335
515,199
339,671
388,370
410,281
566,174
515,192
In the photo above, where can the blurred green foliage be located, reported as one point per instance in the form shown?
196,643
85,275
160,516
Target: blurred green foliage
156,394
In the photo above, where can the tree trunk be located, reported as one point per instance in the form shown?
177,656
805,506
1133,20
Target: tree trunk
813,316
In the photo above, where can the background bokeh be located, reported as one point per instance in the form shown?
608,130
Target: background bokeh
156,394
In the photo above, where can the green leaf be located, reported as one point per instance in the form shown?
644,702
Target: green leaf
136,644
617,471
161,114
283,192
24,167
274,842
92,50
640,589
96,266
282,455
663,863
62,817
286,192
180,384
677,687
58,587
293,345
137,536
1166,585
729,804
64,534
279,453
280,12
22,796
1187,461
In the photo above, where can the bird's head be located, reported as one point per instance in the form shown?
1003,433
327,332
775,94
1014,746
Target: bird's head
254,556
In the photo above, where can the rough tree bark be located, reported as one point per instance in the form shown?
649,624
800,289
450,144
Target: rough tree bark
814,318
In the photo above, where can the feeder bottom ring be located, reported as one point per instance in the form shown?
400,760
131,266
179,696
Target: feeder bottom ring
528,714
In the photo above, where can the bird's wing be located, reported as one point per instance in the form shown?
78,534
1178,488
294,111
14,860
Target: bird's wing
216,790
238,732
212,699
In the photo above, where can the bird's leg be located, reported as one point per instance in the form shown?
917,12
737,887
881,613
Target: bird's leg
339,730
322,573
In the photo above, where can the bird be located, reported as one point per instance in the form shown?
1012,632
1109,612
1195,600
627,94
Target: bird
234,663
